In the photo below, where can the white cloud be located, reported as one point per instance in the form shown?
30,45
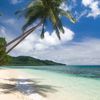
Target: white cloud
2,31
12,25
86,52
51,48
33,42
93,5
95,10
15,1
87,2
68,6
64,6
5,33
10,21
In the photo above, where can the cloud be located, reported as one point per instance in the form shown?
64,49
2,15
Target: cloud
2,31
86,52
68,6
64,6
93,5
34,42
12,25
9,21
5,33
15,1
91,8
87,2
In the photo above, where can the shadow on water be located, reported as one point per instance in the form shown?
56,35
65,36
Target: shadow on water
26,87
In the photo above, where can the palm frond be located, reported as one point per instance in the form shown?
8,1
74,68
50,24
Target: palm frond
68,15
50,9
43,28
57,32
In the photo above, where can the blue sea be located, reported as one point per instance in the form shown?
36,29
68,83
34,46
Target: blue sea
87,71
72,82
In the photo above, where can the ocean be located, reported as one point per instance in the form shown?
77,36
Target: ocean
89,71
72,82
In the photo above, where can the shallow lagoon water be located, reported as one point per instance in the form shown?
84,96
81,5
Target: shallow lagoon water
71,82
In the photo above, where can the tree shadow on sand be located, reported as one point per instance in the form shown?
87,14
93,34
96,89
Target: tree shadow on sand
26,87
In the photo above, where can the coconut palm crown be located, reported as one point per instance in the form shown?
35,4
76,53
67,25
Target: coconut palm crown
44,10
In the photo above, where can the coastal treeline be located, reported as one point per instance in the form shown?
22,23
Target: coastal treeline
21,60
4,58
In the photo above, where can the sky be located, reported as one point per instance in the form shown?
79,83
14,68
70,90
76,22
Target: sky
80,45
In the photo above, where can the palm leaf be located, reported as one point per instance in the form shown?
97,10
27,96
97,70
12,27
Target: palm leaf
49,9
55,16
68,15
43,28
32,18
57,32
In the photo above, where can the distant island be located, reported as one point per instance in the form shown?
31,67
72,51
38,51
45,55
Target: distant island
29,61
21,60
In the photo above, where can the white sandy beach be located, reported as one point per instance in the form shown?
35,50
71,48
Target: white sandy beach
13,84
19,85
16,85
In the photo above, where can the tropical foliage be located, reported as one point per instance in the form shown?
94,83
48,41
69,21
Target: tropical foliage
45,10
29,61
3,56
39,11
42,11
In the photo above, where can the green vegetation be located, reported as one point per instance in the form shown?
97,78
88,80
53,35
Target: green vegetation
21,60
4,59
29,61
41,11
44,10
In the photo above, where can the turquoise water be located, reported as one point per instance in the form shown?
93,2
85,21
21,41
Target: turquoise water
71,82
80,71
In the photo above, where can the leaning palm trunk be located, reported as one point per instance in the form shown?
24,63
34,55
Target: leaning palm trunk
22,37
17,38
11,42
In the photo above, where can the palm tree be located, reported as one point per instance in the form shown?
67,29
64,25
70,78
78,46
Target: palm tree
42,11
4,59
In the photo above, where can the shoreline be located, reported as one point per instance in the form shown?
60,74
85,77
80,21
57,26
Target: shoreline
19,84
